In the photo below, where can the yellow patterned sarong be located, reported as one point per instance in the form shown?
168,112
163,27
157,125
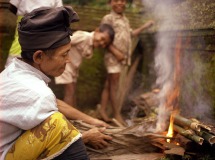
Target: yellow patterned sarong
45,141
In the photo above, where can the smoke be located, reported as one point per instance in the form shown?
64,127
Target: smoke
164,57
196,102
167,22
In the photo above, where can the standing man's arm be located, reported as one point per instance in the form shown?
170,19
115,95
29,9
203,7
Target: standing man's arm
117,53
146,25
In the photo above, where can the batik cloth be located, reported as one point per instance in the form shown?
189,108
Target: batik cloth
45,141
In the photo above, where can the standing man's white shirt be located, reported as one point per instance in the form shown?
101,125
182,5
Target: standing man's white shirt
81,47
26,6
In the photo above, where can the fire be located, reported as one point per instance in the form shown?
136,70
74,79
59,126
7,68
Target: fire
170,130
172,96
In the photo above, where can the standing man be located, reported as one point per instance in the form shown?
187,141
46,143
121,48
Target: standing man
117,56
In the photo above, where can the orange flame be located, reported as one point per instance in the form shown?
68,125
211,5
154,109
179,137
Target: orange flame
170,130
172,96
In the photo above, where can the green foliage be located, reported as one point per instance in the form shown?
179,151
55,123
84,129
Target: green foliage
100,3
91,80
210,77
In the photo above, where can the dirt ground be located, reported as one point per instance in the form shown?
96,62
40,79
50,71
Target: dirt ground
147,156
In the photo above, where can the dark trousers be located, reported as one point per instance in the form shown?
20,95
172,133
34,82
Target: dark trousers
76,151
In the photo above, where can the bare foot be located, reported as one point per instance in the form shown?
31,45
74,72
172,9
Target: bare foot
120,120
104,116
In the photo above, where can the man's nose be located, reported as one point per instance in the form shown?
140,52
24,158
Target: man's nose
67,59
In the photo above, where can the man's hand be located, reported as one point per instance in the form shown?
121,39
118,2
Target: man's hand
95,138
149,24
117,53
146,25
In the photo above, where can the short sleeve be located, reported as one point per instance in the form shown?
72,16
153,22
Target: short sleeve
83,41
28,108
107,19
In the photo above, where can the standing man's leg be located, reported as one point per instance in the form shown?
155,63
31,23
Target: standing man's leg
104,102
114,83
69,94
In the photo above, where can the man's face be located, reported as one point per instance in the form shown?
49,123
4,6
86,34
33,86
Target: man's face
54,65
118,6
101,39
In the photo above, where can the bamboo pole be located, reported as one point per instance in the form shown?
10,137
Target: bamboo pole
188,134
207,136
200,129
203,126
184,122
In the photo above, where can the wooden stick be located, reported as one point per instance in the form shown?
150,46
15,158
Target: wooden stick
126,77
128,82
117,123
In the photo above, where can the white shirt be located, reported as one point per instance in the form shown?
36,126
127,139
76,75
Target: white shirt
26,6
25,101
81,47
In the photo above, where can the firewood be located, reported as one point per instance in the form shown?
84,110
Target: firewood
183,141
147,102
117,123
205,127
189,134
176,151
124,141
128,82
169,148
200,129
127,75
159,145
207,136
184,122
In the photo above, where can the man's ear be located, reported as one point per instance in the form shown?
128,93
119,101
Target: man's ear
37,57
